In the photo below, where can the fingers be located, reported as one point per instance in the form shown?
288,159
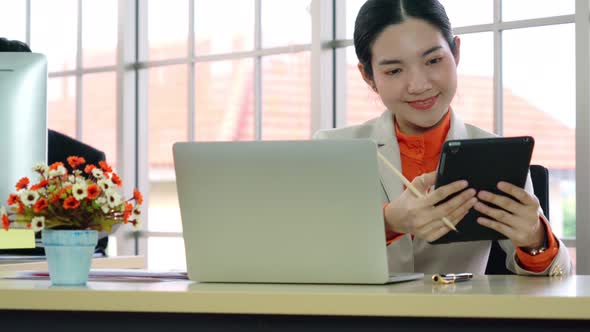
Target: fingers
424,181
436,228
443,192
520,194
448,208
497,226
496,214
504,202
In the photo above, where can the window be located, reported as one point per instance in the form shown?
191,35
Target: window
248,76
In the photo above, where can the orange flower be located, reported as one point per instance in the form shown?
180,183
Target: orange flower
12,199
75,161
137,196
116,180
40,185
40,205
23,183
88,169
71,203
55,165
5,222
56,196
105,167
21,208
93,190
128,211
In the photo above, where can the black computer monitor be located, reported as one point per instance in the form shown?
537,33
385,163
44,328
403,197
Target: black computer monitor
23,117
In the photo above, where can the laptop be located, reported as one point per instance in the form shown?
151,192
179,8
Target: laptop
283,212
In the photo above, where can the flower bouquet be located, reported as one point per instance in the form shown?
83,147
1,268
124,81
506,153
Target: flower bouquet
85,199
70,208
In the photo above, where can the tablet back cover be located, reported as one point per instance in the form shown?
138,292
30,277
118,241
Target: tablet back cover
483,163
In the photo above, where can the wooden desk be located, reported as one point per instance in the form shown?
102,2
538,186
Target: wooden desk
115,262
486,303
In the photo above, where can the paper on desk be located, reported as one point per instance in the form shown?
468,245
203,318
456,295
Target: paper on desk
104,274
17,239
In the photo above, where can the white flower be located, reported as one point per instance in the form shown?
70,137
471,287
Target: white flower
2,210
72,179
97,173
38,223
79,190
57,172
41,168
29,197
101,200
113,198
105,184
105,208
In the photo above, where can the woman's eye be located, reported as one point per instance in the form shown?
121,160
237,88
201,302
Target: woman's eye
434,61
394,71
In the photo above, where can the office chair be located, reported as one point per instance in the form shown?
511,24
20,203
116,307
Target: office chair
540,178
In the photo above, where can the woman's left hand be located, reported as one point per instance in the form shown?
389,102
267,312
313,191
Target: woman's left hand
520,222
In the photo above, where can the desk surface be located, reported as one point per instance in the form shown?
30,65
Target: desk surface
484,297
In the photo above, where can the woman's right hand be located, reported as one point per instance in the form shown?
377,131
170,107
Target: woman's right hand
409,214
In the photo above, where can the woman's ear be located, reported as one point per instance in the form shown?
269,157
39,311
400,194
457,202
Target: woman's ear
366,77
457,53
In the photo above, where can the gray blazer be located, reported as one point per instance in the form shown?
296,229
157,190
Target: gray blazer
418,255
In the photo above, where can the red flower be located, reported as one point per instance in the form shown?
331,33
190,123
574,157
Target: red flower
21,208
71,203
12,199
105,167
55,165
40,185
116,180
88,169
137,196
40,205
23,183
5,222
93,190
75,161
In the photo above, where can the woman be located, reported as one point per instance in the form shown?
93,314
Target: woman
408,56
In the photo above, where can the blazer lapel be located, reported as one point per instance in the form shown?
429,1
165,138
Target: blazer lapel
384,136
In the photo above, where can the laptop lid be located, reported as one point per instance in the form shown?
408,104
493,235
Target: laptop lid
281,211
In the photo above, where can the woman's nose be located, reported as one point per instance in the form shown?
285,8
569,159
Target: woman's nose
418,82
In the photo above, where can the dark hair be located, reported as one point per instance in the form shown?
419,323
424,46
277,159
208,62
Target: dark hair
13,46
376,15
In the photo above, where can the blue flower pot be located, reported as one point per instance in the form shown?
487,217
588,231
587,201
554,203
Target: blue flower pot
69,254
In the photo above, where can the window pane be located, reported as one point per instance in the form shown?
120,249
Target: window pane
220,36
474,100
362,103
166,254
539,100
352,10
99,32
56,38
286,97
469,12
527,9
224,101
167,29
168,114
164,211
99,117
460,12
13,19
61,105
285,22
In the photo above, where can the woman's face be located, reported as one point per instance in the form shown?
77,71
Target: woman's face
414,73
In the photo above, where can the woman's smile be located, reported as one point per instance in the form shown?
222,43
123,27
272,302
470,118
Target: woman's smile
423,104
